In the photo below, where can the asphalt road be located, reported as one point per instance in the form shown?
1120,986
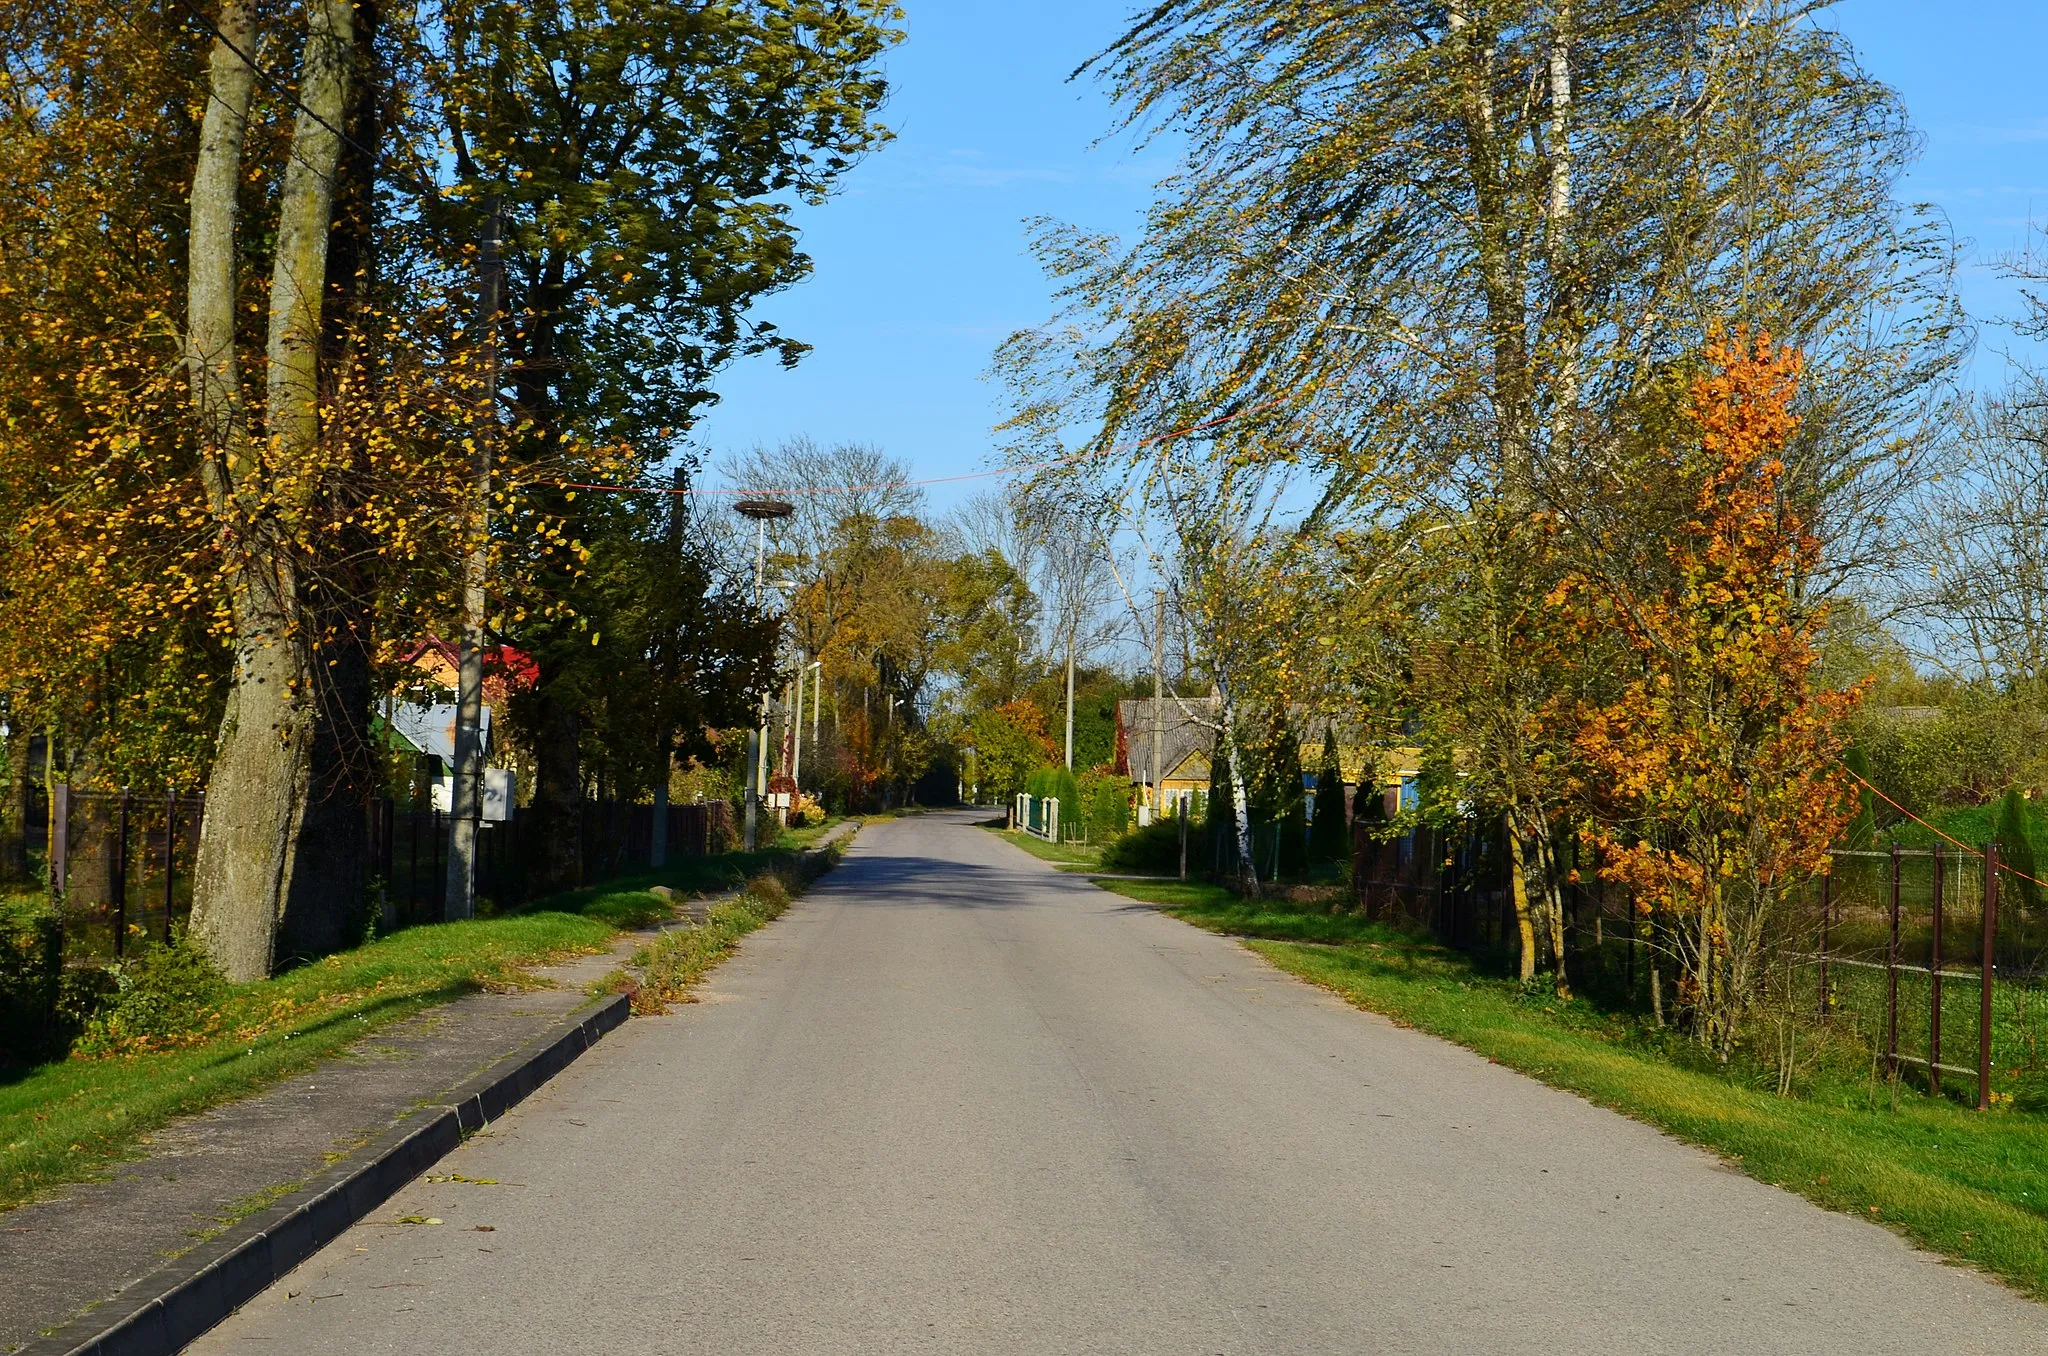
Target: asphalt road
957,1103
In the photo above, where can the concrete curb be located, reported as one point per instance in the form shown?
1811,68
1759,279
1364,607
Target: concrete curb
169,1308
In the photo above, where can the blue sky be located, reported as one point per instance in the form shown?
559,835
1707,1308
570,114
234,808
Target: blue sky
921,266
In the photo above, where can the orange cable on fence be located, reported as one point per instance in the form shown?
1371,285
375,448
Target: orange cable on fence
1074,459
1974,852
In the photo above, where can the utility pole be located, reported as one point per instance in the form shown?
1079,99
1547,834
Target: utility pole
1159,703
796,721
466,801
1070,696
657,844
761,511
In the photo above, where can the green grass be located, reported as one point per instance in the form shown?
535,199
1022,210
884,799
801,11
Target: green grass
1971,1185
1085,855
71,1119
667,970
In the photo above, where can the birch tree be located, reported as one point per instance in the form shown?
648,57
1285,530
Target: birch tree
1436,256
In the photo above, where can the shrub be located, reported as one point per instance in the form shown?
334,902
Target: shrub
165,998
31,983
1290,808
1059,783
1153,848
2019,846
1105,806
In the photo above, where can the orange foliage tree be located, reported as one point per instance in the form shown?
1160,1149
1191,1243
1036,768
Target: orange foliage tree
1713,773
1011,740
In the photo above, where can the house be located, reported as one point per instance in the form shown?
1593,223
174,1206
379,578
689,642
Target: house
1188,738
1188,734
439,663
419,720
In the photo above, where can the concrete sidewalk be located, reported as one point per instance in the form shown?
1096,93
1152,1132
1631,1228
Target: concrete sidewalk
65,1256
956,1102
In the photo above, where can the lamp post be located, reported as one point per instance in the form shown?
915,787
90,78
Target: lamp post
796,716
761,510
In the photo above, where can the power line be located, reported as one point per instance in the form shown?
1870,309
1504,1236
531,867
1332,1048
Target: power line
284,91
1074,459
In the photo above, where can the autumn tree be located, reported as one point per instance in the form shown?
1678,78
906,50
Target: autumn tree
253,203
1011,742
642,163
1714,770
1437,260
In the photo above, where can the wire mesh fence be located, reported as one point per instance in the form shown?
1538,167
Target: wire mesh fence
1904,953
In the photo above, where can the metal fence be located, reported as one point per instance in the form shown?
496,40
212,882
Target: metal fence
409,849
1908,951
121,866
1452,883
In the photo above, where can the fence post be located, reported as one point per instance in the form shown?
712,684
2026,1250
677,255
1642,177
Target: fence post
1988,970
121,877
1826,912
1891,975
1934,985
170,855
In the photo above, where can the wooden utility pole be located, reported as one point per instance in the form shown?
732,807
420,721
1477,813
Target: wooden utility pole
1070,697
1158,702
657,841
762,510
466,801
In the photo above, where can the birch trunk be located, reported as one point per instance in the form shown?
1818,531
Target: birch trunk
256,797
1240,799
1570,326
1472,49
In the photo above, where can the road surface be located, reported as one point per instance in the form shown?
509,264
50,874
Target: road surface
955,1103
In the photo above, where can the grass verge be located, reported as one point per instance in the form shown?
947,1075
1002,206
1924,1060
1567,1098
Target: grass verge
667,970
1971,1185
1085,855
71,1119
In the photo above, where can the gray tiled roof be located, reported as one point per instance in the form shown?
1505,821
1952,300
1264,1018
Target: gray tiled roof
1189,728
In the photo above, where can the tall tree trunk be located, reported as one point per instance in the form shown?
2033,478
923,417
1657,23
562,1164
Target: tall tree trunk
1518,886
262,773
1551,885
1567,315
1070,699
1240,798
327,902
233,917
1472,50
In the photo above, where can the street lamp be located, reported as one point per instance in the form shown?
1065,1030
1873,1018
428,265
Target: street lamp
762,510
